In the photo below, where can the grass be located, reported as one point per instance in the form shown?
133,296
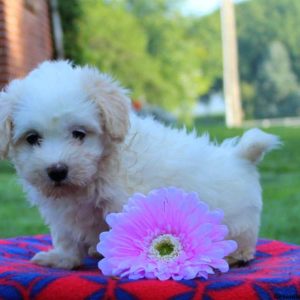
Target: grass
280,177
17,217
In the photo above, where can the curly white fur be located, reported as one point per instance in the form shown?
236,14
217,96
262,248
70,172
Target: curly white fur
115,159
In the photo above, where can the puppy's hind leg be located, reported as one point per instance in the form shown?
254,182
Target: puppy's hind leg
244,253
246,240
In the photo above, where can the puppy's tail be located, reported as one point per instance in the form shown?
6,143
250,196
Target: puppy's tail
255,143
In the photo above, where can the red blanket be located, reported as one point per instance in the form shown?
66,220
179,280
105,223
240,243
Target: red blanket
274,274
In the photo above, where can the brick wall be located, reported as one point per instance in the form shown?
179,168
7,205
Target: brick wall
25,37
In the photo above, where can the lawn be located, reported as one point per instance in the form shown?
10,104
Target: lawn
280,177
17,217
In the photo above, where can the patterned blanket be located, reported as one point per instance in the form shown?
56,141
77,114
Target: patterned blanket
274,274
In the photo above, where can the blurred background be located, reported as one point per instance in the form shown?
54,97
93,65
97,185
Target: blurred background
220,66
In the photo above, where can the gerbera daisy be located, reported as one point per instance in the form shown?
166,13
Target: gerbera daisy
167,234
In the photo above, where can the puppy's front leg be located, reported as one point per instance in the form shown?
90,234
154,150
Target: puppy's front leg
66,254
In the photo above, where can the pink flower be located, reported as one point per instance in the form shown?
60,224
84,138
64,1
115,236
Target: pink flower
167,234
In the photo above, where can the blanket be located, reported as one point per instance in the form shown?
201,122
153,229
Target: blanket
273,274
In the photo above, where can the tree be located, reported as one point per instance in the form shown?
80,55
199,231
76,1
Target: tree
71,12
112,40
206,32
176,52
259,24
144,44
278,92
171,60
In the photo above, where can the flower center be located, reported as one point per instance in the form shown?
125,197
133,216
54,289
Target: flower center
165,247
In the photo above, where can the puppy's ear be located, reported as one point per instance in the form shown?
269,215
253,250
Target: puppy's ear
5,124
113,103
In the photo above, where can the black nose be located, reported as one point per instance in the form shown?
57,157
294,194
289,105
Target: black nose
58,172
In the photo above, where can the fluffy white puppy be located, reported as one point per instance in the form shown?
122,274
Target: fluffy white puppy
80,154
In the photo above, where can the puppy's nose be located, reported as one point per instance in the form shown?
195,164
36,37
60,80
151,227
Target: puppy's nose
58,172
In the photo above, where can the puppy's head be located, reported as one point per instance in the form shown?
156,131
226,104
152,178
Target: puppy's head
57,123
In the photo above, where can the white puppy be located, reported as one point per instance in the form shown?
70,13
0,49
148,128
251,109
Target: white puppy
80,154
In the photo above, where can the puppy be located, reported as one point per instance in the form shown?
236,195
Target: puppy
80,154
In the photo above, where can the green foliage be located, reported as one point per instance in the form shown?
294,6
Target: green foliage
142,8
268,37
177,52
115,44
206,31
278,92
260,23
70,11
178,58
170,60
147,45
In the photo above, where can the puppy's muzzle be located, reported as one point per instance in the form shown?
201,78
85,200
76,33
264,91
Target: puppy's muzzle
58,172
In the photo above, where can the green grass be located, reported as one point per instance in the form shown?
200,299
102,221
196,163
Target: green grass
17,217
280,177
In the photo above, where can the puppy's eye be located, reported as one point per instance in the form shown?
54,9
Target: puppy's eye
33,139
78,134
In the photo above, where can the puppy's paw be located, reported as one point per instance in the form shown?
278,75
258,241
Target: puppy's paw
241,257
56,259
